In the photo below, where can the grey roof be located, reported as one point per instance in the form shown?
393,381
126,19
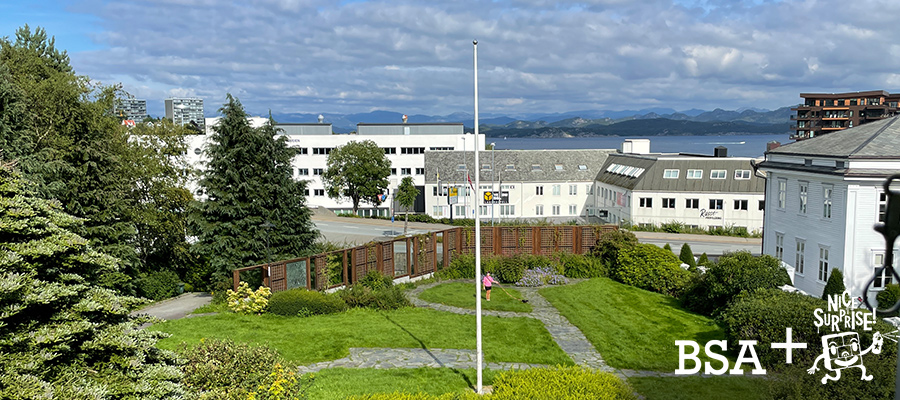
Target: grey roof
304,129
879,139
654,166
575,165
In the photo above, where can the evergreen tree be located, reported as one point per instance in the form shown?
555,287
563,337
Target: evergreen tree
61,336
703,261
357,171
835,284
668,247
248,183
687,256
406,196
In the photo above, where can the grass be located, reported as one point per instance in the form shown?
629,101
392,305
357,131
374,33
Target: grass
339,383
632,328
460,294
329,337
697,388
211,308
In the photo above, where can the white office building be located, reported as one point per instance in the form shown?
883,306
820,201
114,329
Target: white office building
640,187
553,185
825,195
131,109
188,110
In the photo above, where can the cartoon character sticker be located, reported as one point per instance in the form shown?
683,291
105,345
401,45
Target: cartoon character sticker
842,351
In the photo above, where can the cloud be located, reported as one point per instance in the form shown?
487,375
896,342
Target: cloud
327,56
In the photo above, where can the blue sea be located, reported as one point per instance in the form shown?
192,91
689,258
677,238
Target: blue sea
737,145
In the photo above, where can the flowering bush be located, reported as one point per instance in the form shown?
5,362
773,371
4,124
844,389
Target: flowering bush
541,276
246,301
279,385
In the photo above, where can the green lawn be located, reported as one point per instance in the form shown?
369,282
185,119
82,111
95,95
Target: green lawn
328,337
460,294
697,388
630,327
339,383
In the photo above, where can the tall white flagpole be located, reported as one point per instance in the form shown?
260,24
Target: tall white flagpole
478,350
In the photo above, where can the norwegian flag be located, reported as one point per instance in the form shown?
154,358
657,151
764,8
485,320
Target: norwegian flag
469,178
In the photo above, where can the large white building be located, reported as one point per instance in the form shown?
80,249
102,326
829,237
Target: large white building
825,196
640,187
187,110
556,185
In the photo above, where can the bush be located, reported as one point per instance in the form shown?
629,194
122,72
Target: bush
733,274
223,369
560,383
703,261
610,243
541,276
667,247
388,298
419,396
504,269
651,268
246,301
887,298
303,302
687,256
158,285
375,280
835,284
579,266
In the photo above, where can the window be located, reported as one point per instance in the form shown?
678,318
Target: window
646,202
590,189
303,150
539,190
804,190
438,211
827,192
318,171
389,150
510,167
695,174
461,167
556,190
555,210
692,203
782,190
741,205
668,203
762,205
573,209
412,150
318,192
823,263
779,246
322,150
742,174
535,167
486,167
670,174
883,279
559,167
716,204
882,206
306,192
717,174
800,257
405,171
303,171
539,209
573,190
393,171
483,210
507,210
582,167
420,171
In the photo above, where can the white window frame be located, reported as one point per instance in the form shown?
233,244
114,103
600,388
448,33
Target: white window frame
782,193
882,206
877,262
779,246
645,202
716,204
539,209
692,204
827,200
555,209
668,202
695,174
670,174
799,256
573,209
573,190
741,205
539,190
742,174
556,190
718,174
824,263
803,196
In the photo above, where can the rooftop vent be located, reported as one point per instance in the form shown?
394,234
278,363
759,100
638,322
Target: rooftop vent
321,118
721,151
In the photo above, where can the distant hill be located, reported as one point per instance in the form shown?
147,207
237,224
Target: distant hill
644,127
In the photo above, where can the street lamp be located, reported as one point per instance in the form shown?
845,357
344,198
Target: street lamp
492,183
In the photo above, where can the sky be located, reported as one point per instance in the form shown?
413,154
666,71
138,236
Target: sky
416,56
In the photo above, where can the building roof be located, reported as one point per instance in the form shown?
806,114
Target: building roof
847,95
646,173
527,165
879,139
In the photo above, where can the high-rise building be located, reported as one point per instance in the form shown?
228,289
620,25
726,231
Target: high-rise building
133,109
187,110
823,113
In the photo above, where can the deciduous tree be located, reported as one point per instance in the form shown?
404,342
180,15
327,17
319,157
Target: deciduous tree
406,196
357,171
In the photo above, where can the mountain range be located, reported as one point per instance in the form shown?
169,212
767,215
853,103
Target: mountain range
645,122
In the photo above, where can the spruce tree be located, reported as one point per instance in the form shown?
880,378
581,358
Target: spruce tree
687,256
61,336
248,183
668,247
703,261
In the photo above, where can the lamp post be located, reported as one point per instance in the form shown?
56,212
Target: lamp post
492,182
268,227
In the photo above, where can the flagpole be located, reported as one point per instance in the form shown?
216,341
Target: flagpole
478,349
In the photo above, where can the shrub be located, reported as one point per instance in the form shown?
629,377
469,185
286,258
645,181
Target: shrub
388,298
246,301
419,396
375,280
223,369
888,297
651,268
461,267
504,269
579,266
687,256
304,302
703,260
667,247
541,276
560,383
610,243
835,284
158,285
733,274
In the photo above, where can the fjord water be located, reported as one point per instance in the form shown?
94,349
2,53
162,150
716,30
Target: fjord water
737,145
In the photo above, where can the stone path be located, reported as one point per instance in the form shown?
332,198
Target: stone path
383,358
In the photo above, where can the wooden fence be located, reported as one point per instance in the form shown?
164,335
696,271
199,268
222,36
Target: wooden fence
420,255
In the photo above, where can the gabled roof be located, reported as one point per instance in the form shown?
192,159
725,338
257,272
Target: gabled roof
880,139
527,165
654,166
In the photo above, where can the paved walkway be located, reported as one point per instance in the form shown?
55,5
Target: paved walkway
383,358
176,307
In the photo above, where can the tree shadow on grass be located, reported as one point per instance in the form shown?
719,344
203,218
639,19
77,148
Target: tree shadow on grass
430,354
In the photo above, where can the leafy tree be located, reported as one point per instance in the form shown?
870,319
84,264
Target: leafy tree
687,256
406,196
60,335
733,274
357,171
248,182
835,284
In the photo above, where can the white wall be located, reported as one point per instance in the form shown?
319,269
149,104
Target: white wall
522,195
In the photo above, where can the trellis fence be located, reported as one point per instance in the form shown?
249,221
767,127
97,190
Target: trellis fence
419,255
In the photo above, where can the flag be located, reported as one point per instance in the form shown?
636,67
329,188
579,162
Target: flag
470,182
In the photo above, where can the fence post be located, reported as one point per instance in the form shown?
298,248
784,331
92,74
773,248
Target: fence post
433,252
576,240
379,257
307,273
498,241
236,279
536,240
408,265
345,267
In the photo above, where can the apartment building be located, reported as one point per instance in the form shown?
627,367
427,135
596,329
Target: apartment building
131,109
823,113
187,110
